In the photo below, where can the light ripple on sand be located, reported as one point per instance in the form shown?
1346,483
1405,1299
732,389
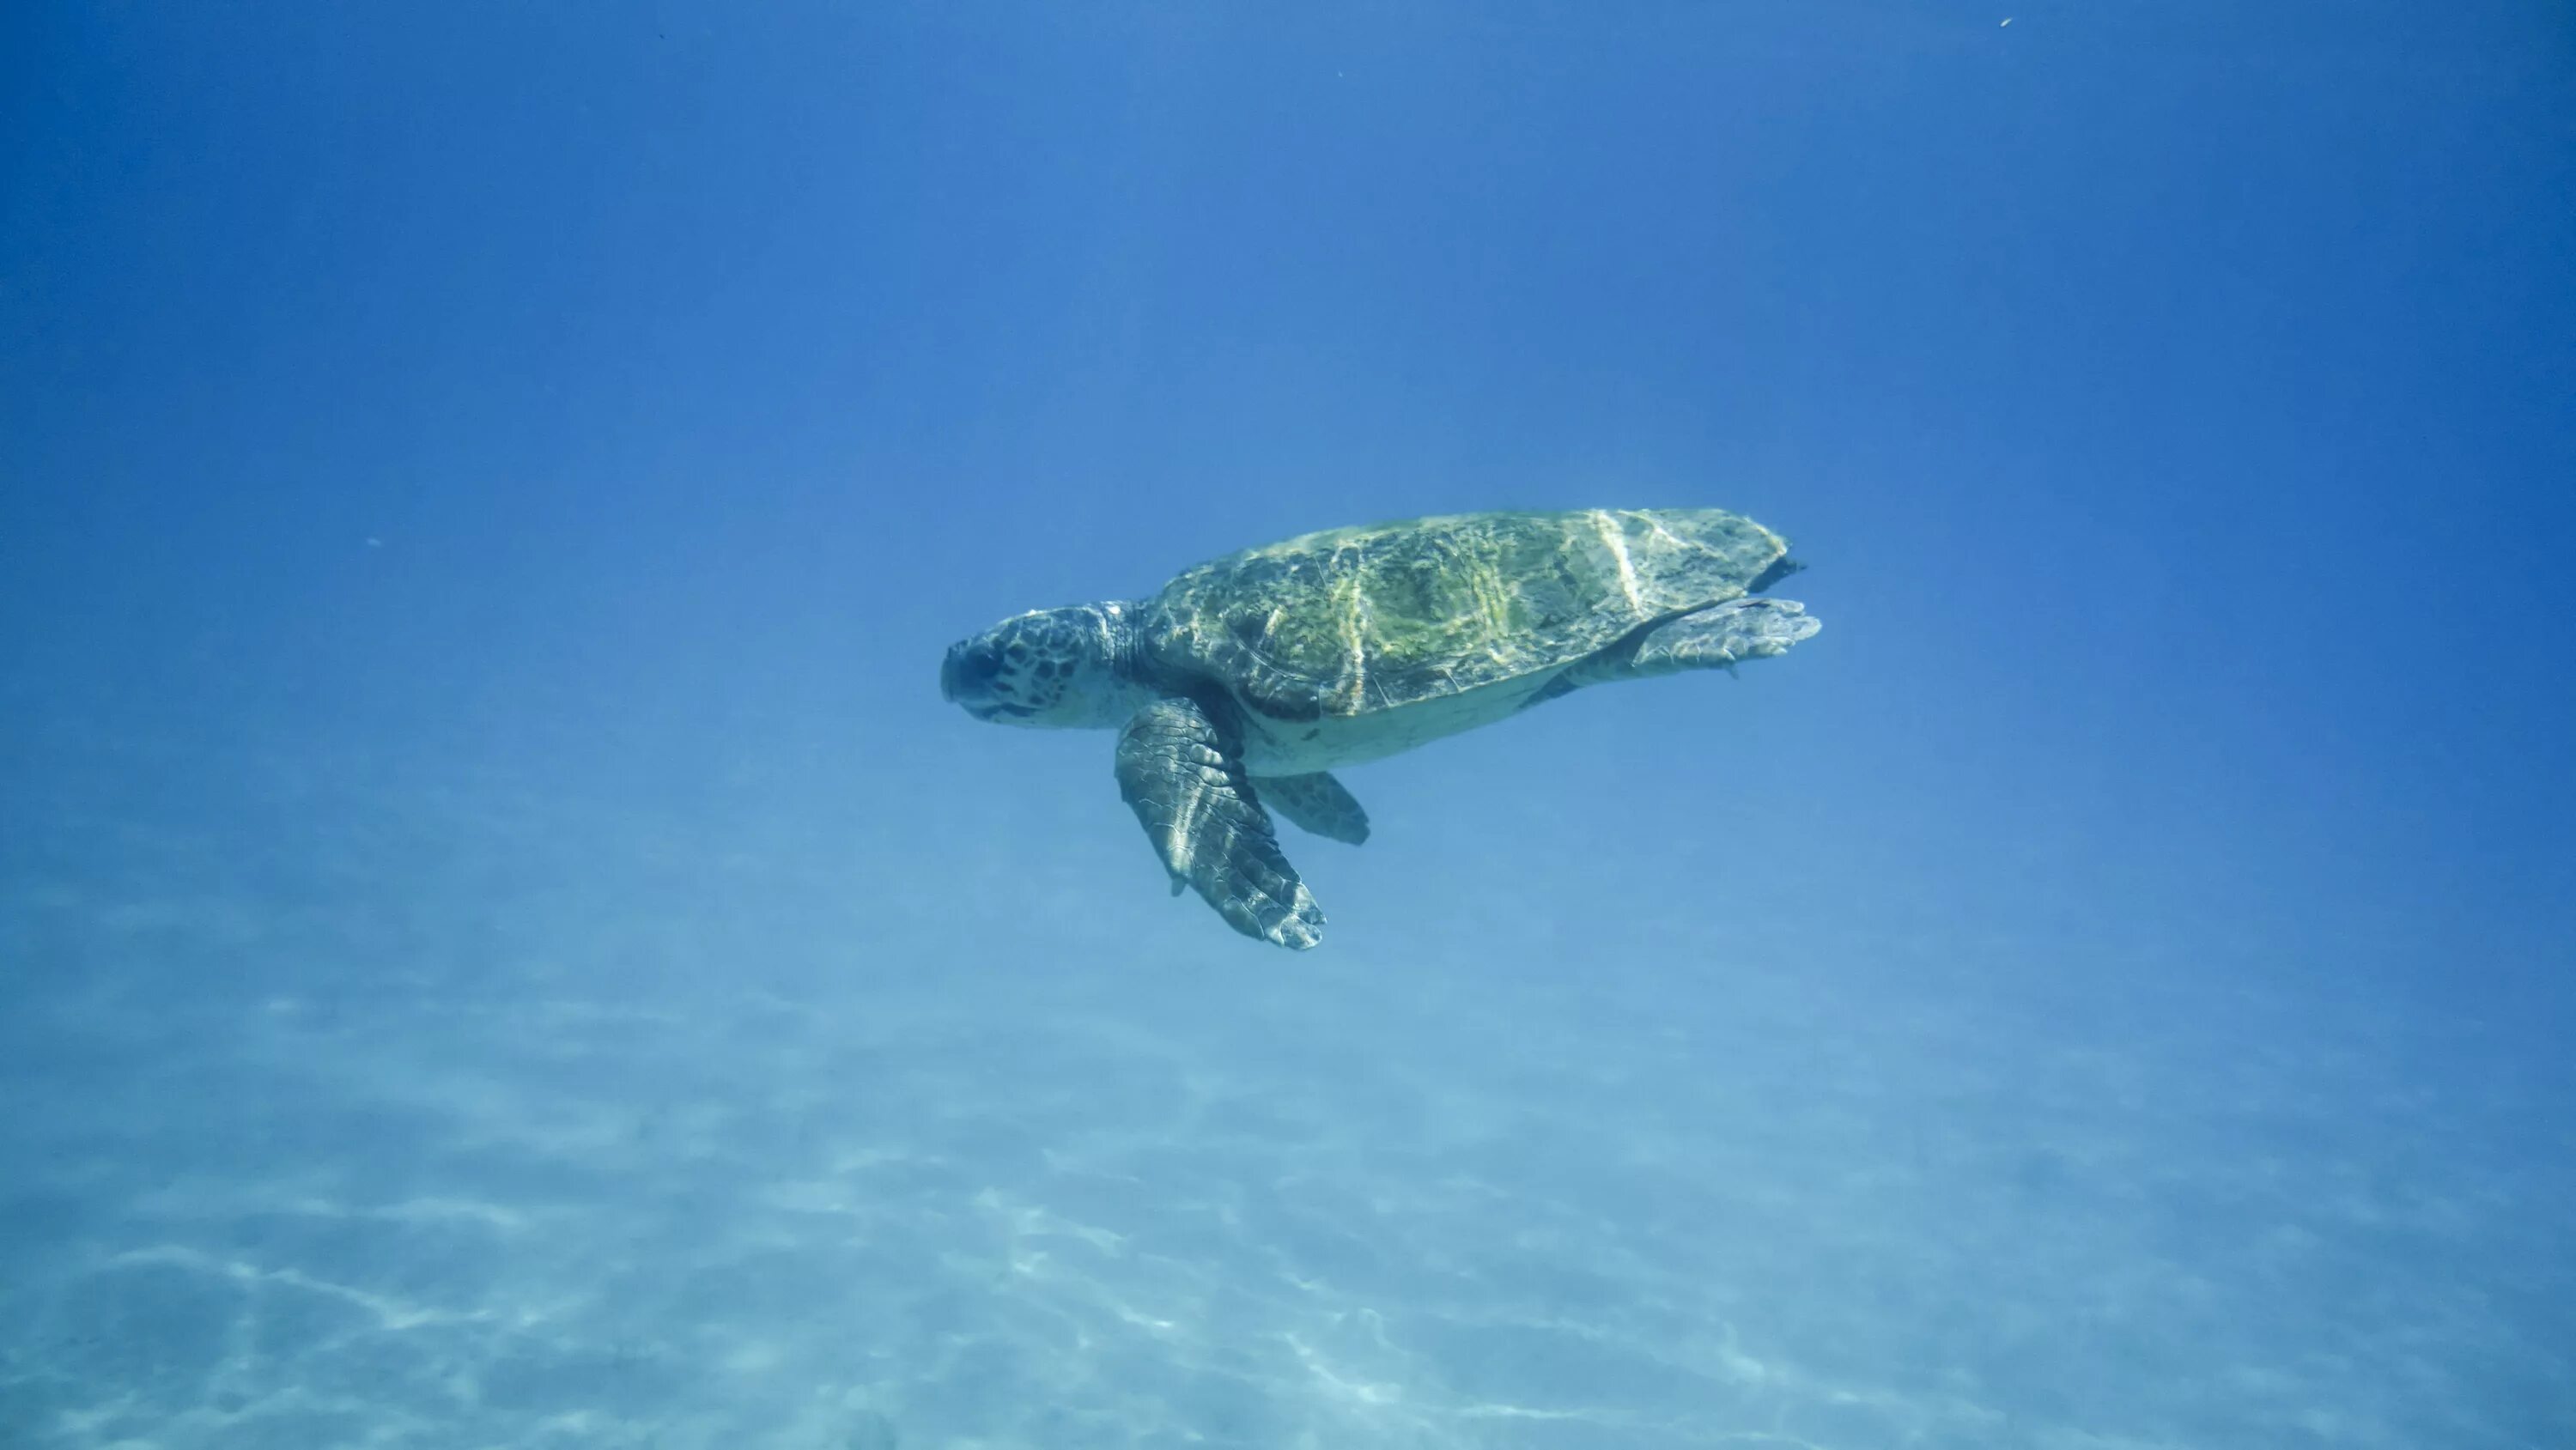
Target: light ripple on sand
1300,1209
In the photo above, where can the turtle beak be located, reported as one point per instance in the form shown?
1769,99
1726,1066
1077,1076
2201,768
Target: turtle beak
967,675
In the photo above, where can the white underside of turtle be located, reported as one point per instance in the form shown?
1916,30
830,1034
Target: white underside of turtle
1275,747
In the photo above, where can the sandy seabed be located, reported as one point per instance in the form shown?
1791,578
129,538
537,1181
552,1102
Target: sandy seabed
464,1134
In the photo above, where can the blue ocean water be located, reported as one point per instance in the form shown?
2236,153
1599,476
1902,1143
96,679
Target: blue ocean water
502,943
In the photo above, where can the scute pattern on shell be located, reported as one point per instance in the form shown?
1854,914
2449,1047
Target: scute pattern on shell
1352,620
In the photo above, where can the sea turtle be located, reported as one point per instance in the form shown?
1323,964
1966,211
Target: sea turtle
1250,677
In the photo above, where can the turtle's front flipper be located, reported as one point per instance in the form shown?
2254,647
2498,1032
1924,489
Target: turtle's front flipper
1185,781
1316,803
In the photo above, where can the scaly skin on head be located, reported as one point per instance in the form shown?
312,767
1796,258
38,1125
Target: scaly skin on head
1066,669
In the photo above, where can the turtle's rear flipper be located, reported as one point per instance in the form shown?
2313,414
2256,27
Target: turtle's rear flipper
1717,638
1183,778
1316,803
1722,638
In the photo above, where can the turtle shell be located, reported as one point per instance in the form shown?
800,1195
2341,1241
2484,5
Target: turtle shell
1350,621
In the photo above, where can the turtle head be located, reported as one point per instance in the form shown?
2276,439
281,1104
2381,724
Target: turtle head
1061,668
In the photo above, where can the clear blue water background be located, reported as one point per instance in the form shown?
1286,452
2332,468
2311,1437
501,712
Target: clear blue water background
504,945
